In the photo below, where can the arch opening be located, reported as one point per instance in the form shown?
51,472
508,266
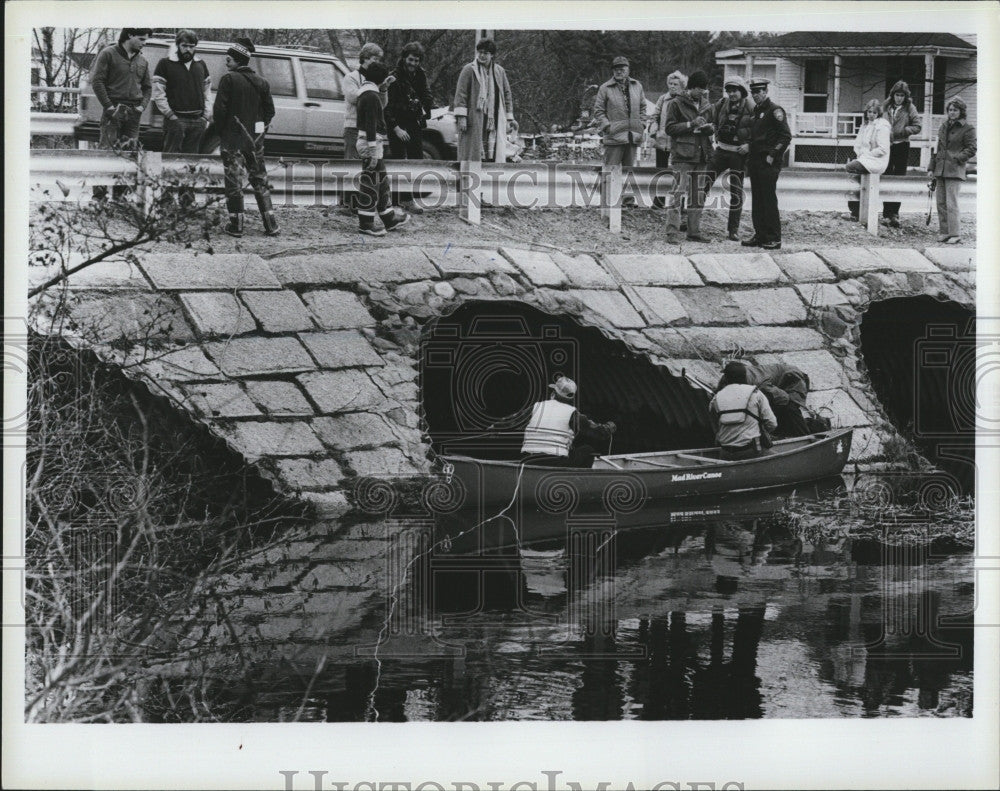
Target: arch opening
489,360
920,354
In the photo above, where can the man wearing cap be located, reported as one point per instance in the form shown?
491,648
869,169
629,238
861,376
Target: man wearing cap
769,137
733,115
243,109
620,114
120,77
690,129
182,91
740,415
556,431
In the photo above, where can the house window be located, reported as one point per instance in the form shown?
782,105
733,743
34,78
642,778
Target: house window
911,70
816,92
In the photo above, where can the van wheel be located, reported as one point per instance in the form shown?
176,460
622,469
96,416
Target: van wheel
430,150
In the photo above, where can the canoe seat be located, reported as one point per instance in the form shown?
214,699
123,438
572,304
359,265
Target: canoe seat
700,459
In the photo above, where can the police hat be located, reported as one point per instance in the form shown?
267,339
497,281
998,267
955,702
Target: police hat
759,82
621,60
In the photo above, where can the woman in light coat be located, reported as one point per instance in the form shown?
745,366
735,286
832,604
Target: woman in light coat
871,147
956,146
484,108
676,83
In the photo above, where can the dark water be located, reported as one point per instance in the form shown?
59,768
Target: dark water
798,604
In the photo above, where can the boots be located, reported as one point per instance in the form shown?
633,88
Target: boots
366,225
391,221
235,227
267,215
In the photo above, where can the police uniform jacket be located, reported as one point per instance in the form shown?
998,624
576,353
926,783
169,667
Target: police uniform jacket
769,132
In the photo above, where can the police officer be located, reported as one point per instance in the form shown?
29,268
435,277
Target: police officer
769,137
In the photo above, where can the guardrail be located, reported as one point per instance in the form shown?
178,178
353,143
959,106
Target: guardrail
53,123
69,174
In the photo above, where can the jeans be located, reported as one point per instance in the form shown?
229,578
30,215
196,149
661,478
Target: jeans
853,206
691,182
735,163
120,129
899,156
623,155
374,197
946,191
243,164
183,135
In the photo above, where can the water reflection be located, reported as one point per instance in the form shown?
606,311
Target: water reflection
742,608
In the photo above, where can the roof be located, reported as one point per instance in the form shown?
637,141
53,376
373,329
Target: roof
831,41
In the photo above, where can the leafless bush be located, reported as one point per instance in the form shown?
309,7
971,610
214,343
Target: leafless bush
130,510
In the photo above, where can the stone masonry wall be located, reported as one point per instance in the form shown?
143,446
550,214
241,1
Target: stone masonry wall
307,364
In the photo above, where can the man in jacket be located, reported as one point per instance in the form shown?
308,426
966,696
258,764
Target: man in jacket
676,83
557,432
484,107
769,137
407,110
243,109
739,411
690,129
956,146
733,115
182,92
902,116
374,198
120,77
620,113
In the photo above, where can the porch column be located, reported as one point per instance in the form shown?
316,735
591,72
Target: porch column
836,96
749,67
925,150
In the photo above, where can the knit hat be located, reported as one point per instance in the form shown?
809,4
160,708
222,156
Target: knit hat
563,387
241,51
698,80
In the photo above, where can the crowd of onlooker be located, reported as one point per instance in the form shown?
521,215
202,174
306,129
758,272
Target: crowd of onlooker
742,134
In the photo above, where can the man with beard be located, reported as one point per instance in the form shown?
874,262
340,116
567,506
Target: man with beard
407,111
182,92
620,111
243,109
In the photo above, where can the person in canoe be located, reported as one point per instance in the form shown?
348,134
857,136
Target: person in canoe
786,388
558,434
741,416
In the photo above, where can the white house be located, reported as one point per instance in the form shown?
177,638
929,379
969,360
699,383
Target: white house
823,79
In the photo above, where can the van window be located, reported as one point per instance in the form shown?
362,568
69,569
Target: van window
277,72
322,80
216,62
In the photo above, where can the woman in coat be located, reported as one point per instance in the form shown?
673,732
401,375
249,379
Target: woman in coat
871,147
676,83
956,146
484,107
904,121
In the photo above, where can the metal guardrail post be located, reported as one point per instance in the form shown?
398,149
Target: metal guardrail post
150,165
869,201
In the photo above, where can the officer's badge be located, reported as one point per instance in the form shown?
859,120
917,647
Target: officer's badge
779,114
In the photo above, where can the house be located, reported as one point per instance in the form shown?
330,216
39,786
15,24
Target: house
824,78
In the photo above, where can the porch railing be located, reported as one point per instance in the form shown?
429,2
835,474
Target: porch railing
830,125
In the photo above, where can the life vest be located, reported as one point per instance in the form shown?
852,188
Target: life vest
548,431
732,403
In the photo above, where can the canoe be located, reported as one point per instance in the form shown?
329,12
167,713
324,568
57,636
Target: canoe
625,482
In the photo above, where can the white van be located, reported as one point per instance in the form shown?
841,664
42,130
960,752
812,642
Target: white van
308,102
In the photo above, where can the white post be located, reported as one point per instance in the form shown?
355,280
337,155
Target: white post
925,150
836,96
869,200
470,179
611,196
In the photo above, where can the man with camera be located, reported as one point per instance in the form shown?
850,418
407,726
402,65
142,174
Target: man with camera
557,432
733,116
690,128
407,110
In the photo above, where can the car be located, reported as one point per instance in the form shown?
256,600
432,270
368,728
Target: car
309,104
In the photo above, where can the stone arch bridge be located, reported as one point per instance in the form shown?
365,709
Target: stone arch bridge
310,365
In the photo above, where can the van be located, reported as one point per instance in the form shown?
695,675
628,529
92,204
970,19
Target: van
308,98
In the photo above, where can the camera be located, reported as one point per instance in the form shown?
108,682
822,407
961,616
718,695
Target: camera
956,380
474,375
